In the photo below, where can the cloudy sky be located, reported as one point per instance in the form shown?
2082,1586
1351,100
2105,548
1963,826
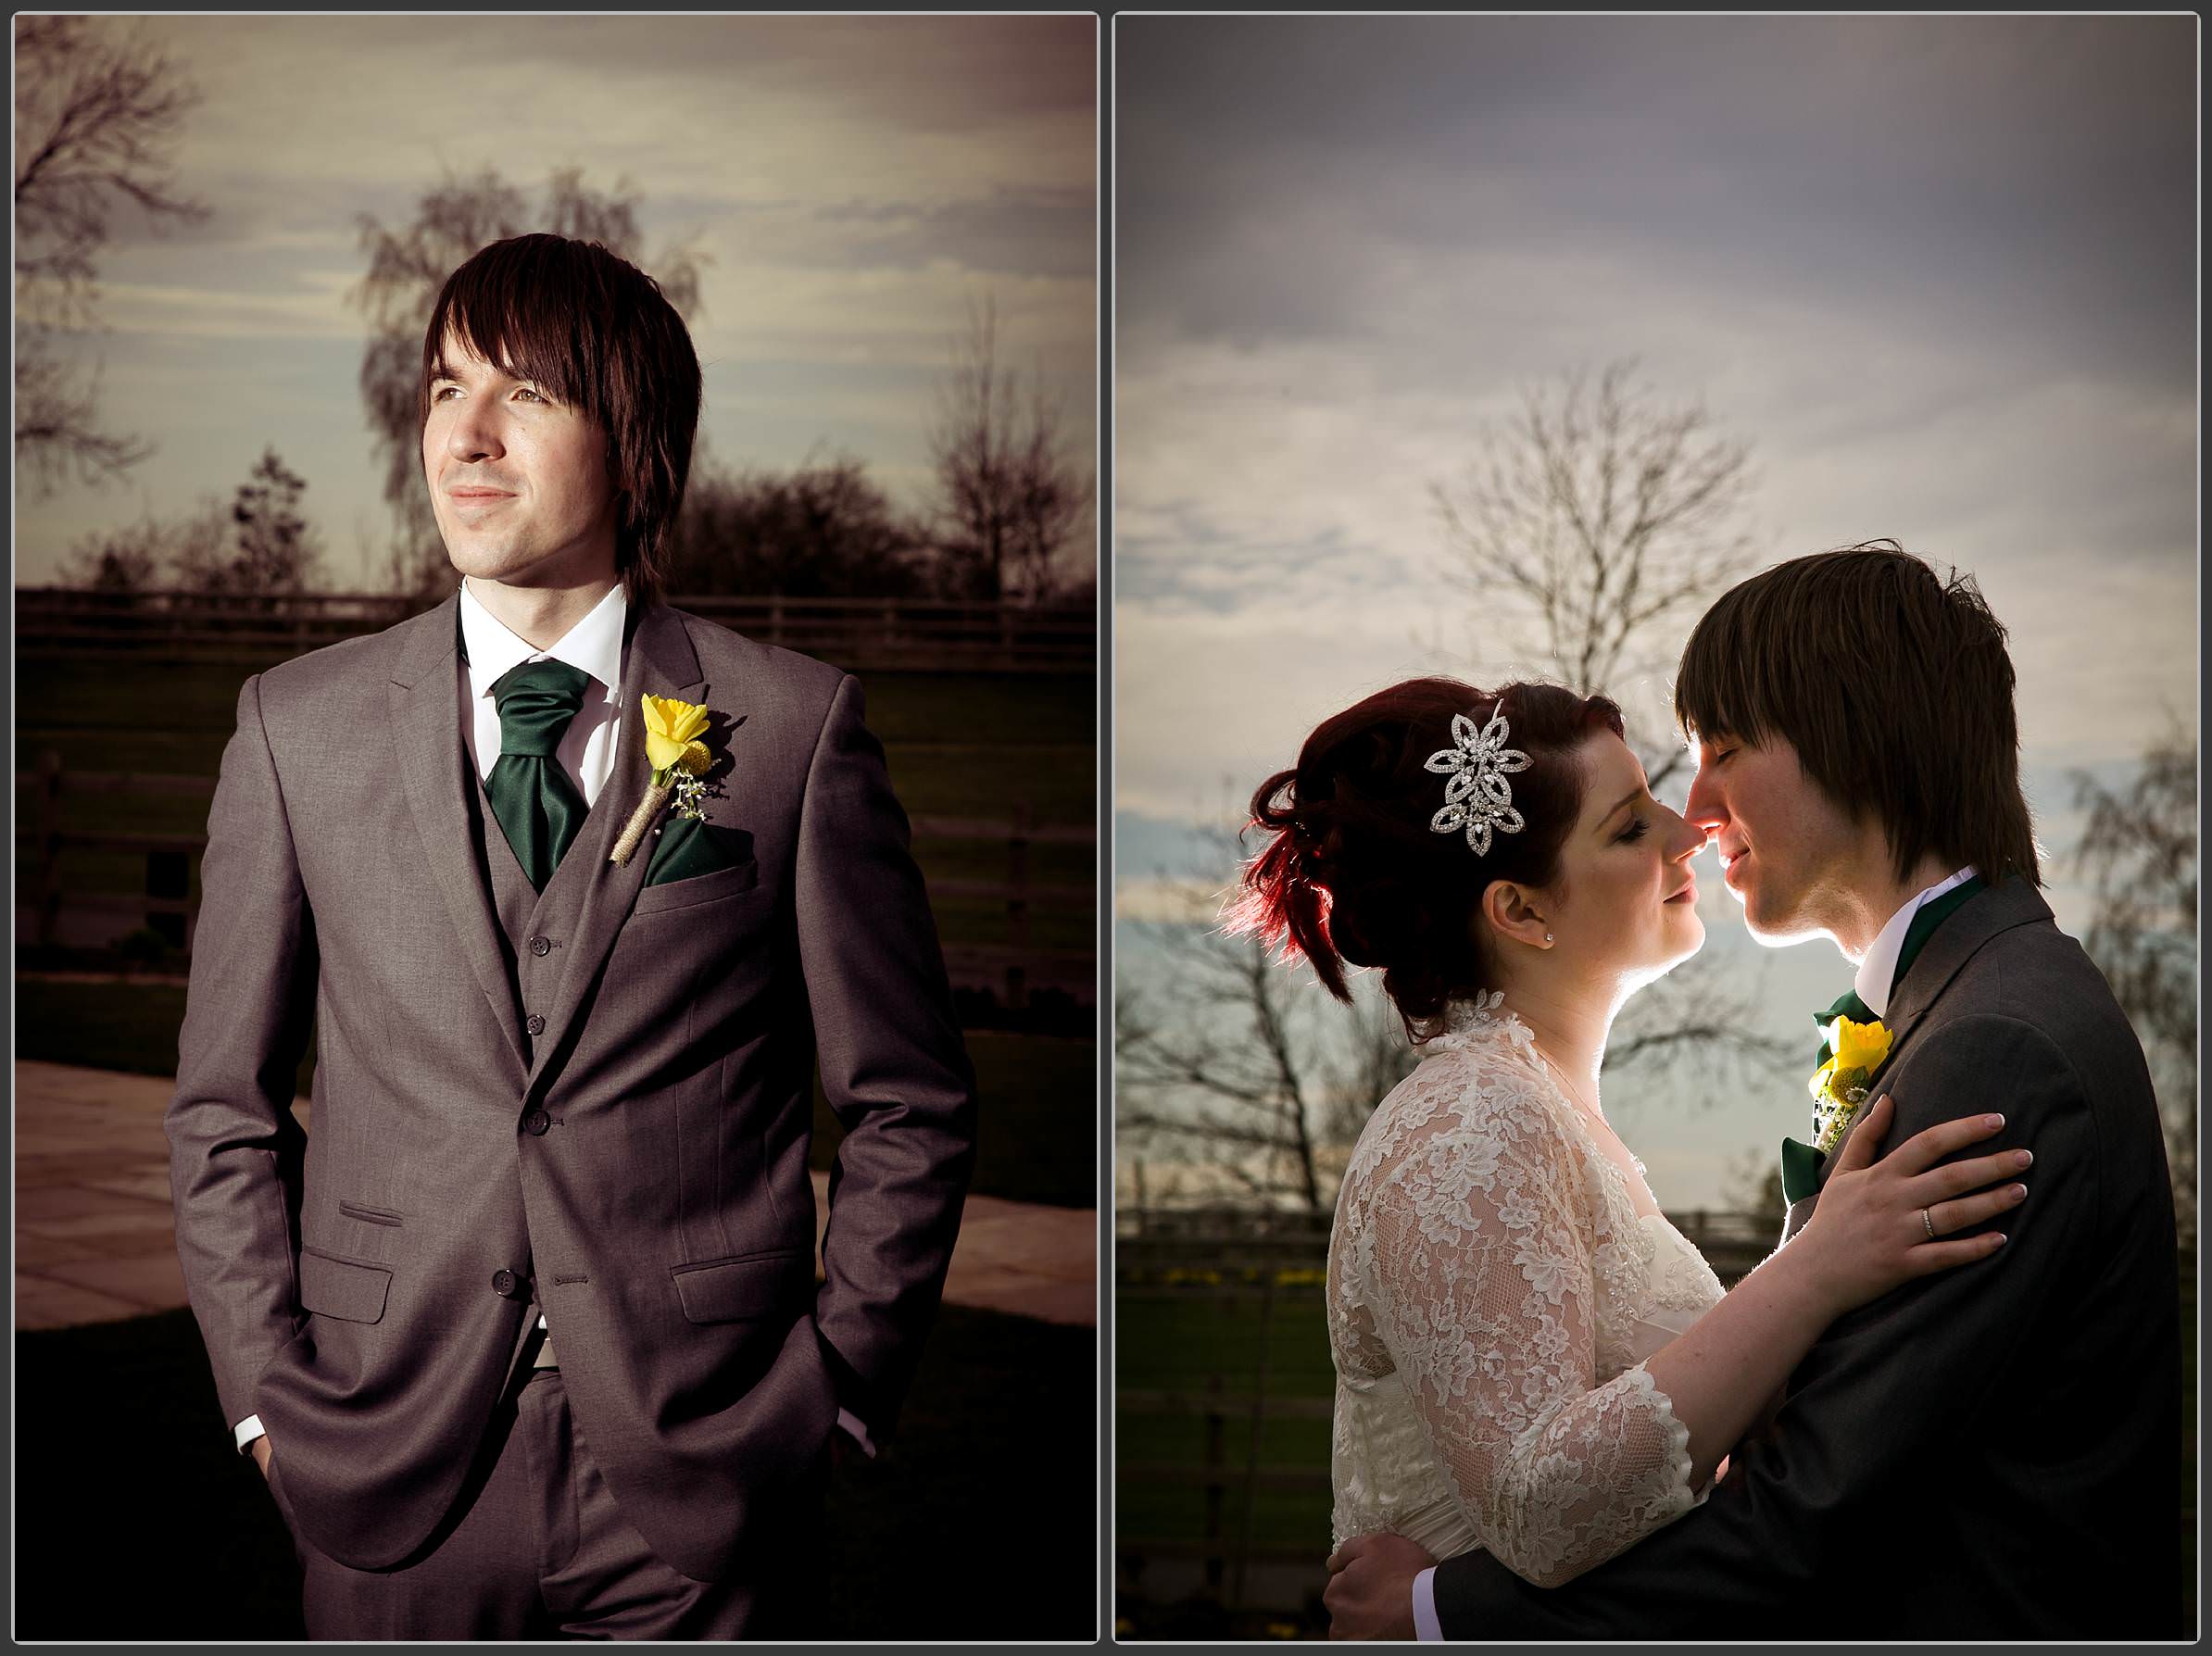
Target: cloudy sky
1939,274
856,182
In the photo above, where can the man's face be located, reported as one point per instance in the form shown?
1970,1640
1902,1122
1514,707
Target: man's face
518,481
1787,850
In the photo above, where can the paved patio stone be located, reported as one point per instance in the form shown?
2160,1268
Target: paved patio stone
95,1241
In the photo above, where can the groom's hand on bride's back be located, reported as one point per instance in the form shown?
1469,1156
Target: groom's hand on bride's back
1370,1591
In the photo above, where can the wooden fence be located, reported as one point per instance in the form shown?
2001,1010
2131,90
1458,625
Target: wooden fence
1011,971
881,634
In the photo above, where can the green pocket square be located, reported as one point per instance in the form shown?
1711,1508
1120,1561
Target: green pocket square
1800,1170
687,847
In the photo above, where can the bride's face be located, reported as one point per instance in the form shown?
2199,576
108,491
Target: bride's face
1626,899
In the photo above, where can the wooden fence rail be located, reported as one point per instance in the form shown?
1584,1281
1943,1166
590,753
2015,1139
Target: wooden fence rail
913,635
1013,970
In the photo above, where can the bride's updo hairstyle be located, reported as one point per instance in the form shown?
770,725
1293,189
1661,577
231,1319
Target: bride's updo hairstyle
1353,874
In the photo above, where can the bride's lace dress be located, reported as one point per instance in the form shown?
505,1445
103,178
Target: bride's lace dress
1494,1286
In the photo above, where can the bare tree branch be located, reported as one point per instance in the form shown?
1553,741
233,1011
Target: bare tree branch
96,111
1009,495
2137,849
1607,514
408,264
1256,1076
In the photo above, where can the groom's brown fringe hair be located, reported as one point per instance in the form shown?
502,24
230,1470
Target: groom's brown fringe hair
1893,686
595,333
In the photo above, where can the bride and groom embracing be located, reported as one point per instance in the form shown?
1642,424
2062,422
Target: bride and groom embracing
1941,1408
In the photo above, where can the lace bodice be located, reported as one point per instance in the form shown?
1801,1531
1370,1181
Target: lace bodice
1492,1294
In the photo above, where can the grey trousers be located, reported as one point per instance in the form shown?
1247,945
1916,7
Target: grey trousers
540,1551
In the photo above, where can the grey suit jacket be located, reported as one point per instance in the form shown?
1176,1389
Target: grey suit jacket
1993,1451
639,1165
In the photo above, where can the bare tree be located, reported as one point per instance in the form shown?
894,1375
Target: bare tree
1009,495
258,543
1229,1063
1606,518
277,549
2137,849
96,113
1597,523
823,529
408,264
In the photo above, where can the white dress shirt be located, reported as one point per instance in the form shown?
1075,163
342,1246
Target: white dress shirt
1872,982
594,647
1881,965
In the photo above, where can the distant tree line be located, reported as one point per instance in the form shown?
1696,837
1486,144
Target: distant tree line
1007,498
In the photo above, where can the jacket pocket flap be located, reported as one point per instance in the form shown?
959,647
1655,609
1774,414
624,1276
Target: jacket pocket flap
729,1290
698,888
330,1287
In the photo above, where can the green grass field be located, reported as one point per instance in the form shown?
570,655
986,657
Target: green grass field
1165,1343
1179,1344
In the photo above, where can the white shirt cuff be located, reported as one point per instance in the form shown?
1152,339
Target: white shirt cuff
1426,1624
856,1431
246,1430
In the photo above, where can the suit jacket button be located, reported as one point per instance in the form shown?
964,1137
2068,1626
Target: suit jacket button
503,1283
535,1024
541,944
537,1121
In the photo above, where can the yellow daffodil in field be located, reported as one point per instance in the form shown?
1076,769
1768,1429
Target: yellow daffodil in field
671,727
1838,1086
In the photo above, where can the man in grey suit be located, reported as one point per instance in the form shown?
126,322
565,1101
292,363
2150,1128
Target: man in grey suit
1990,1452
526,1335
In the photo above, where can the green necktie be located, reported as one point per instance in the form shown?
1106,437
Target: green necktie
536,803
1800,1163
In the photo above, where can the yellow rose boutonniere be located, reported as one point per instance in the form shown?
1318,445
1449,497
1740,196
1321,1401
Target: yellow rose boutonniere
1840,1085
679,760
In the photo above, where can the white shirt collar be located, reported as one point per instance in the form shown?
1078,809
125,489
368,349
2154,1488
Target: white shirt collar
1881,965
593,644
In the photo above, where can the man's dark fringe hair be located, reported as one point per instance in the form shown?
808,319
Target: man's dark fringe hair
1893,686
596,333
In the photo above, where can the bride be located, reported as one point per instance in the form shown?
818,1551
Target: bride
1529,1359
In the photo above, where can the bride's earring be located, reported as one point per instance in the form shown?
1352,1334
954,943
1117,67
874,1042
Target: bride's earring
1546,936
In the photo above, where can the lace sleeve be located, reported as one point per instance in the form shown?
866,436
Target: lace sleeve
1487,1252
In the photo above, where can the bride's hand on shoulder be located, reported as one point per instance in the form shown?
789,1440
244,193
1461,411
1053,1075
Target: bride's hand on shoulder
1880,1224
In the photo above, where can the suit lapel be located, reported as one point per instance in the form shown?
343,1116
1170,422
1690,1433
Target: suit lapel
1956,941
2013,903
433,768
662,662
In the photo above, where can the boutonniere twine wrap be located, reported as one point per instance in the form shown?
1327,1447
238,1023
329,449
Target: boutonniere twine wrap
1840,1086
679,760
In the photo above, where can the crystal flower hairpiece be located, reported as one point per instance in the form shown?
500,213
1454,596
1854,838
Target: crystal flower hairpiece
1478,797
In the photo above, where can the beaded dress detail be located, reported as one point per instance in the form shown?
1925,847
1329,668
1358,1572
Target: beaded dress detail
1492,1293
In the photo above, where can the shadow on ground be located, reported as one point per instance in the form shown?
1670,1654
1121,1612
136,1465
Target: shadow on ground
120,1458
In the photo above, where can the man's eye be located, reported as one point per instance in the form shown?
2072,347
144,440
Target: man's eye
526,391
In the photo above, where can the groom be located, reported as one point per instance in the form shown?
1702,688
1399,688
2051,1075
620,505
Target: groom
1988,1453
526,1337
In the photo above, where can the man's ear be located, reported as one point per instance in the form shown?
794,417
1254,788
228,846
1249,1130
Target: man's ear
1516,912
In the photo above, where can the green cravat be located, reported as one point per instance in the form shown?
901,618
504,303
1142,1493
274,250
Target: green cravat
536,803
1801,1162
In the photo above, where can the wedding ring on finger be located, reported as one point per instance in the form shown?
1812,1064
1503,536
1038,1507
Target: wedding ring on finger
1929,1222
